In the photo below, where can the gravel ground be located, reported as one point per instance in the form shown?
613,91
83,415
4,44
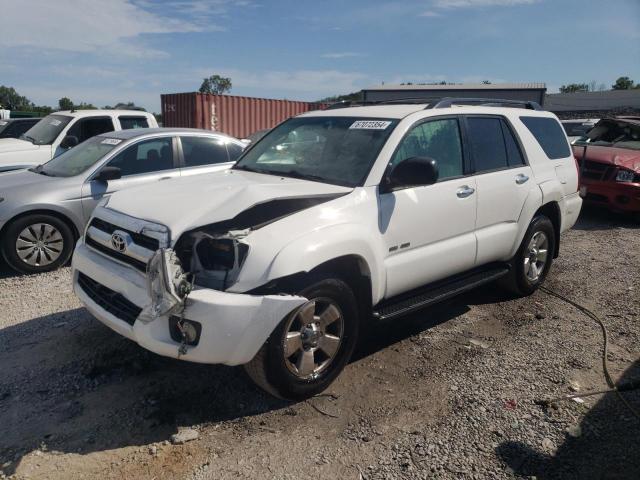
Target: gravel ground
452,392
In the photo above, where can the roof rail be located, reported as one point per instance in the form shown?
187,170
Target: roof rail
394,101
485,102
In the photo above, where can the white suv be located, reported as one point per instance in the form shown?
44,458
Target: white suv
334,219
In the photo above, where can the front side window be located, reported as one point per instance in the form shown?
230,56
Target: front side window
86,128
130,122
203,151
336,150
550,135
47,130
147,156
437,139
77,160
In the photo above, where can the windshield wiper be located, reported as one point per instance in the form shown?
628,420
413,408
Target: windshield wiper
27,137
302,176
40,169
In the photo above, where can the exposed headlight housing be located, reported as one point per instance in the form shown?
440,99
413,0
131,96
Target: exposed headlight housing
166,282
217,260
625,175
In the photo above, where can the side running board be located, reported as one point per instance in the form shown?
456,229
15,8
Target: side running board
432,294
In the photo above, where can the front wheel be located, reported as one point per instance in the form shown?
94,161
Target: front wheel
532,262
311,346
37,243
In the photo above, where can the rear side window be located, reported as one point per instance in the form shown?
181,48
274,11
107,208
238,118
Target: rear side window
487,144
514,155
549,135
199,151
128,123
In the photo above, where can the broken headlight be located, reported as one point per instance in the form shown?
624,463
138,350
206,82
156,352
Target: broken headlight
166,282
217,260
625,176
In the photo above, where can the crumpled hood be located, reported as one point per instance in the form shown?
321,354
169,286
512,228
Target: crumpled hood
620,157
189,202
16,145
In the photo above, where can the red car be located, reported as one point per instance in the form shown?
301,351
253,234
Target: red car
608,157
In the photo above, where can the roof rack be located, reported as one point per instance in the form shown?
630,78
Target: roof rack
366,103
485,102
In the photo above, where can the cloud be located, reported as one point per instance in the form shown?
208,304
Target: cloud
481,3
85,26
430,13
342,55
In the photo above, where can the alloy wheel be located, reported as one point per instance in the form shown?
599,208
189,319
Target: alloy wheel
535,257
313,337
39,244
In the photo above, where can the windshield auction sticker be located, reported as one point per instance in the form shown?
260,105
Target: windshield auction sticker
369,125
3,123
111,141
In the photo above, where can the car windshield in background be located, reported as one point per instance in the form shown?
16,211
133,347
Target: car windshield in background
614,133
46,130
79,159
337,150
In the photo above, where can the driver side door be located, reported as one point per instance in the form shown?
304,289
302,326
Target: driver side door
428,231
143,162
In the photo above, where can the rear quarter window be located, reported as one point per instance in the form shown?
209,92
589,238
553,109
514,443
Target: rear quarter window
550,135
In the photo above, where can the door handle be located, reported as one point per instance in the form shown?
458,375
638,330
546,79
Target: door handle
521,178
164,178
464,192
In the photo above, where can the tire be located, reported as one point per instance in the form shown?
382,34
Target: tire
286,372
540,236
37,243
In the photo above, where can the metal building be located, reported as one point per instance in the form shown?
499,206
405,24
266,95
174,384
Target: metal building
594,104
511,91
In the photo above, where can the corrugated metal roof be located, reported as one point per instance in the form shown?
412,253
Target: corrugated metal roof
463,86
607,100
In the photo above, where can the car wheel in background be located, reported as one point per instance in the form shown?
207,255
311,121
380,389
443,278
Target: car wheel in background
311,346
37,243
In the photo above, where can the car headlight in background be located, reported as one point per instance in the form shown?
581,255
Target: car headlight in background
625,176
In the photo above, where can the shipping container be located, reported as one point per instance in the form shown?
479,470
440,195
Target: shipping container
230,114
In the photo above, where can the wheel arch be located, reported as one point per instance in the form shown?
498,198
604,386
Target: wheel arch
44,211
551,210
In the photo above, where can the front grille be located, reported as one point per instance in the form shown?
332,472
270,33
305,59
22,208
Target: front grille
142,266
147,242
111,301
597,171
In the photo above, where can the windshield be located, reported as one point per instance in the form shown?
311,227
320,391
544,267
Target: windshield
80,158
337,150
46,130
612,133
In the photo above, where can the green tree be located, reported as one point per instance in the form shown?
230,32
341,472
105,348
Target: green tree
574,87
12,100
215,84
622,83
65,103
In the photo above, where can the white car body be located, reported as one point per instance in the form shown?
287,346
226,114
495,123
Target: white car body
401,240
17,153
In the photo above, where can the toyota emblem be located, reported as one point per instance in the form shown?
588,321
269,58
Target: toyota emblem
118,242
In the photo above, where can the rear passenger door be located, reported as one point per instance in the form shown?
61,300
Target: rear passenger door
503,179
143,162
203,154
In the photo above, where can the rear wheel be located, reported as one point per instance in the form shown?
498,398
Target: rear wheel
37,243
311,346
532,262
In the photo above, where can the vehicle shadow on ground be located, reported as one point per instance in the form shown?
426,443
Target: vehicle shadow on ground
69,384
607,447
594,217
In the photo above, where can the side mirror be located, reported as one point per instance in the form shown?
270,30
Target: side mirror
69,141
412,172
108,173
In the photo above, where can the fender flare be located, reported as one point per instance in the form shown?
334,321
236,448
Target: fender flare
307,252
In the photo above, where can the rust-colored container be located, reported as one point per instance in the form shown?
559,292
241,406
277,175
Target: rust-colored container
230,114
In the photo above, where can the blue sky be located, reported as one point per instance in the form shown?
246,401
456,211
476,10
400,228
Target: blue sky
105,51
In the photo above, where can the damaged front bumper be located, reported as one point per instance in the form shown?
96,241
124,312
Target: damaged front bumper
233,326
